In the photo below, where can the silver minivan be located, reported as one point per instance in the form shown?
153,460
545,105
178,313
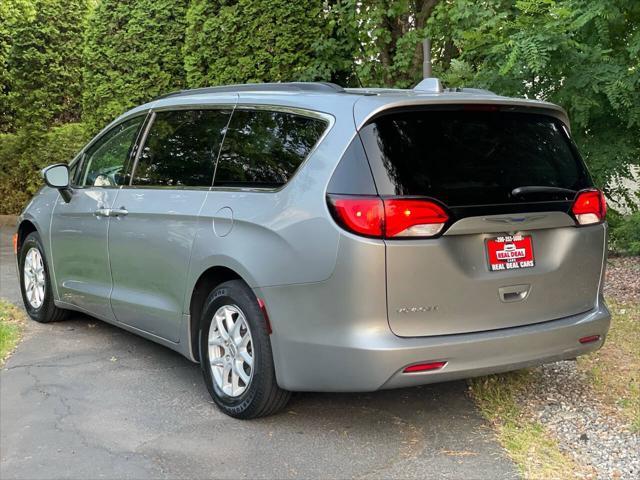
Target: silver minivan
306,237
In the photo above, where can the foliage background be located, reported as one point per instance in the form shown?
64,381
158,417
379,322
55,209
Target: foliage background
68,67
132,53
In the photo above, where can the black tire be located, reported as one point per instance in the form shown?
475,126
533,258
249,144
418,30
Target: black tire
47,311
262,396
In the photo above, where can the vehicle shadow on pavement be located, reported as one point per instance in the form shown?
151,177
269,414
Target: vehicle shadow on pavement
93,400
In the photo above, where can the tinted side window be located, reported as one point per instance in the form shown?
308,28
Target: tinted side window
352,175
264,148
181,148
104,161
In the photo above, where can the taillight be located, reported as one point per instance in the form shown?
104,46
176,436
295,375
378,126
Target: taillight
413,218
362,215
389,217
589,207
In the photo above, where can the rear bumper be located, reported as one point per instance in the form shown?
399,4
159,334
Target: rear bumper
375,359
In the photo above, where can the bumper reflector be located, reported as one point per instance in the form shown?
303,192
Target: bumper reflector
15,243
267,321
424,367
590,339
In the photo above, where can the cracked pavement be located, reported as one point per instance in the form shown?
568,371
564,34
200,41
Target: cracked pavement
83,399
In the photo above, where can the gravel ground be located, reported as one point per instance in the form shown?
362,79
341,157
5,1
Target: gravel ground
589,432
563,401
623,279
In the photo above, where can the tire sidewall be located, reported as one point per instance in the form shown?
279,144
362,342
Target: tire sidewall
231,293
43,312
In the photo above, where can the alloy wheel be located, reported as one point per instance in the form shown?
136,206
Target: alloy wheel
231,351
34,279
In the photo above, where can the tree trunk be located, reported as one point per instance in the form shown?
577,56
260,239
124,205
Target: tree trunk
423,10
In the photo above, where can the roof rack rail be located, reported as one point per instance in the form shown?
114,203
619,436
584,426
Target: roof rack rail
318,87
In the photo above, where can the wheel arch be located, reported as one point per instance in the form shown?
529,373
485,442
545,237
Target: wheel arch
25,227
206,282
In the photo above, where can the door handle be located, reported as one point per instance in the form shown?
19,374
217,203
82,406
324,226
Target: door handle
111,212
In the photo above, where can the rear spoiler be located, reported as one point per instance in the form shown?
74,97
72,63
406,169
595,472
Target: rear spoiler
369,107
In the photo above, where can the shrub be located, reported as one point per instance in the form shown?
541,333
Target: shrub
11,12
625,233
43,80
252,41
132,53
24,154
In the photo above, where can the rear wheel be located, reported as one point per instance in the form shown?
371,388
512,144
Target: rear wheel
35,283
235,353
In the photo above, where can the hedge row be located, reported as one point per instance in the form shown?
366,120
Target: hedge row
24,154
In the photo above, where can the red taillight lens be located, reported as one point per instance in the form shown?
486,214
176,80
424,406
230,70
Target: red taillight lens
413,218
589,207
389,217
362,215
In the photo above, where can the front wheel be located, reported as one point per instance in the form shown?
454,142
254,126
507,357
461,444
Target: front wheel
235,353
35,282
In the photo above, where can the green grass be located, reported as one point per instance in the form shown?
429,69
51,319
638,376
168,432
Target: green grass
536,453
11,322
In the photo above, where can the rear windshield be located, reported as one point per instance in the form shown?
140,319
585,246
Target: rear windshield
472,157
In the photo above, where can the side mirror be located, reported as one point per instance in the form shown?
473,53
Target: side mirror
57,176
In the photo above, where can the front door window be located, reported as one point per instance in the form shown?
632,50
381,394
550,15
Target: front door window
104,162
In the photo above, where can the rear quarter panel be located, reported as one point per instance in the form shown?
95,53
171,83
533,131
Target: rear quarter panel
278,237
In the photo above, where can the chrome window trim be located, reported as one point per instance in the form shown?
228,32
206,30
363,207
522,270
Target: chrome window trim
304,112
195,106
163,187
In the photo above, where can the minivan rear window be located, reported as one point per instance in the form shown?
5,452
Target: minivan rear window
472,157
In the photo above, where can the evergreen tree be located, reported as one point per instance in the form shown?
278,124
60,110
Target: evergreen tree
40,62
262,41
10,12
132,53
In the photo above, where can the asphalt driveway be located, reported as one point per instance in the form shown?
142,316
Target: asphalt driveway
83,399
